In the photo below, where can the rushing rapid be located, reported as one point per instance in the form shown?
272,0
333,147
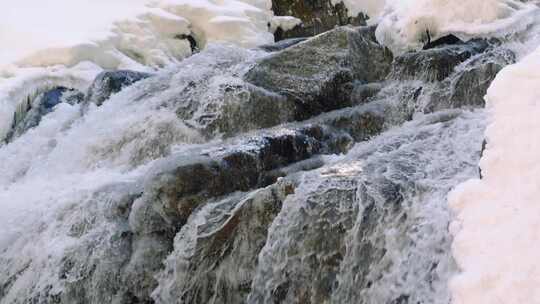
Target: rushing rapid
308,171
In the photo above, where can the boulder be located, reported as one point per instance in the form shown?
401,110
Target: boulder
281,45
437,63
216,261
110,82
361,123
311,74
241,166
246,107
468,86
317,16
30,112
350,232
471,83
362,93
445,40
370,61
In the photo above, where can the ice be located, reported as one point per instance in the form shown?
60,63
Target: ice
65,32
69,42
497,241
403,24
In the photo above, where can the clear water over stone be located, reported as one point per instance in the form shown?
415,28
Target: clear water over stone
196,186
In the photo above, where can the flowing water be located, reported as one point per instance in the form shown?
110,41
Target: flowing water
366,226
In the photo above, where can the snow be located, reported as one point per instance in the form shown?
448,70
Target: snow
285,22
68,42
497,241
64,32
403,23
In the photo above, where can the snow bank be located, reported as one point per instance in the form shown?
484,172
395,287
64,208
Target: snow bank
68,42
403,23
497,241
106,32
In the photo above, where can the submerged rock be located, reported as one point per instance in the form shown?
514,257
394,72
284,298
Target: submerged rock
469,84
437,63
31,111
347,204
185,184
352,226
362,93
110,82
473,80
219,257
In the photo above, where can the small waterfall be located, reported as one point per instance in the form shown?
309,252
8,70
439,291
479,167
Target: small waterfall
371,226
205,184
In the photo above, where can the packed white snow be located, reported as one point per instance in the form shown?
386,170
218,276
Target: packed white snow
403,24
44,33
497,241
68,42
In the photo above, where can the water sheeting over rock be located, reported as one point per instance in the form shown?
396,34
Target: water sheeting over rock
110,82
306,175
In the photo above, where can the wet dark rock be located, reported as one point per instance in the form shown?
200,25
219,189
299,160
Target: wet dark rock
484,146
240,167
58,95
471,83
361,93
193,181
312,74
468,86
317,16
316,247
111,82
437,63
93,271
281,45
329,244
446,40
247,107
232,108
196,179
370,61
30,112
361,122
192,42
221,265
308,74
